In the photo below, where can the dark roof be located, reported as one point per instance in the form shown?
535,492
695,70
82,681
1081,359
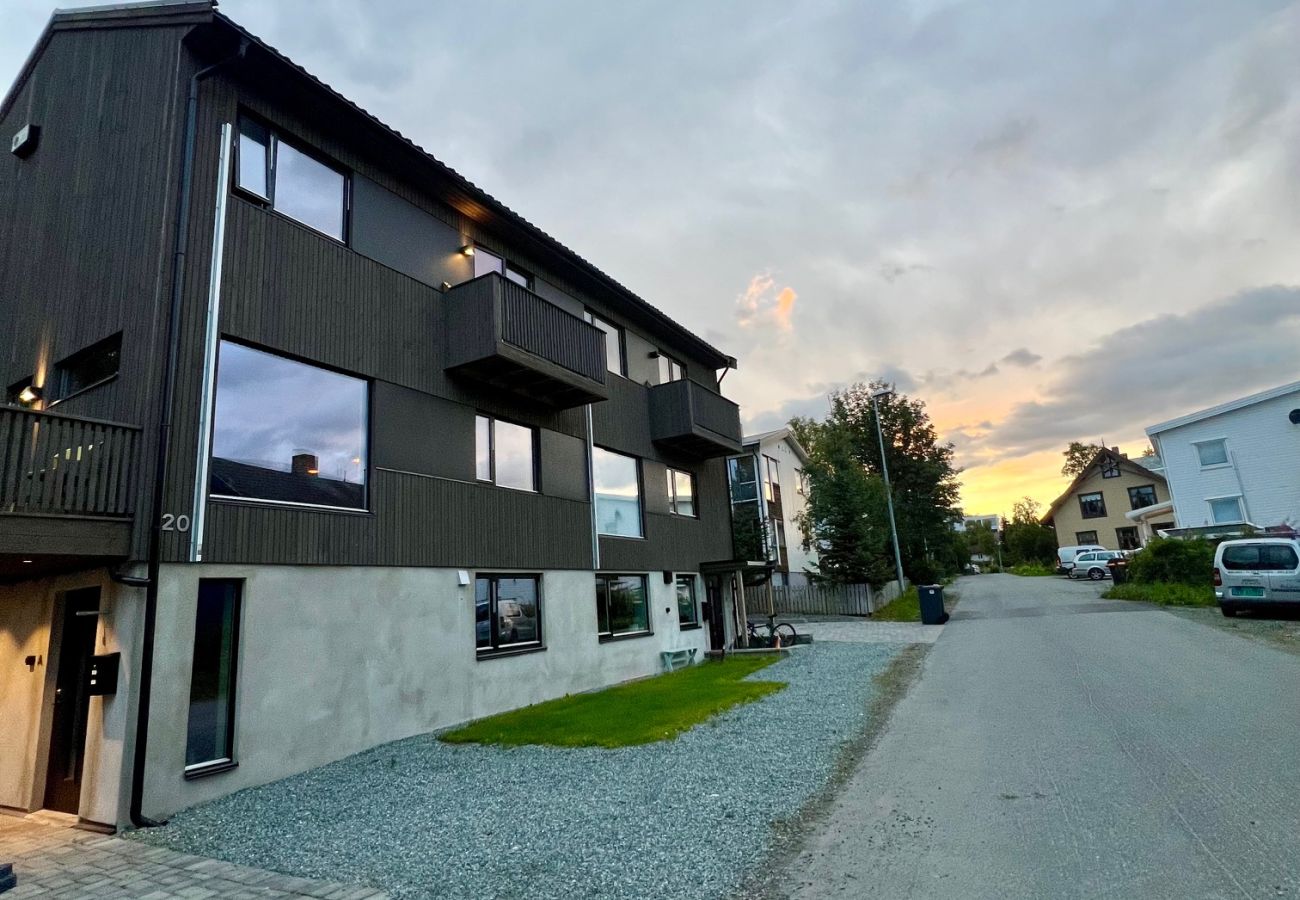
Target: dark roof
229,478
468,198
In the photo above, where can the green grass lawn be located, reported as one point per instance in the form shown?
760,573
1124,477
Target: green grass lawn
1031,570
640,712
906,608
1163,594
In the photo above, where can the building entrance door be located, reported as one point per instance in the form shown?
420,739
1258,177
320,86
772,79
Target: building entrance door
71,700
714,612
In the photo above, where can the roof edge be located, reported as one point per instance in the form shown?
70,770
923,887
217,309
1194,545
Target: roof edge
1229,406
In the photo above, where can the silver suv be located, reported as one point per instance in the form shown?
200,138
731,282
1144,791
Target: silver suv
1093,564
1257,573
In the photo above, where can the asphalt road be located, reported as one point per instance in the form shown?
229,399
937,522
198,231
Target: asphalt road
1060,745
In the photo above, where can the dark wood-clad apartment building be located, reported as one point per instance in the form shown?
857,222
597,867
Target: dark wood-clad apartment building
308,443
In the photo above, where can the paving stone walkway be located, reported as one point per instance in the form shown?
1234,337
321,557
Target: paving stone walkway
54,861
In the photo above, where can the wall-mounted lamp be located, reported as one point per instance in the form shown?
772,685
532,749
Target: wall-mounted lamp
468,249
446,285
30,395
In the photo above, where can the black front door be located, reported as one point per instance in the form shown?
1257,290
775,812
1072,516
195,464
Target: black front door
713,612
71,700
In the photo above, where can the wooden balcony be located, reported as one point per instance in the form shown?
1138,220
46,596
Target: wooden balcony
502,334
67,490
690,419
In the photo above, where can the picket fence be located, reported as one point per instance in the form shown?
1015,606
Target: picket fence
833,599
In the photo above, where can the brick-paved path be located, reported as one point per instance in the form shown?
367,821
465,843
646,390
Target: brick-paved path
53,861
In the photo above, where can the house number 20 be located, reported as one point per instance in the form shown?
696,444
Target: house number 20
175,523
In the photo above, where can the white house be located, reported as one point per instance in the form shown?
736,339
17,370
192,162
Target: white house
768,488
1234,465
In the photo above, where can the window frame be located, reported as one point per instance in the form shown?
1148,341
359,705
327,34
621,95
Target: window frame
56,386
1241,509
1080,540
492,453
592,318
1227,454
640,495
1109,468
771,479
672,493
229,760
1083,509
1155,498
496,649
663,359
694,622
1128,531
605,637
367,430
275,137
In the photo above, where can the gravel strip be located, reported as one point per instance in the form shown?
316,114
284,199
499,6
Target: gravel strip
683,818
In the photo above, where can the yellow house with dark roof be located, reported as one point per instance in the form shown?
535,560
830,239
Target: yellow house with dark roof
1092,510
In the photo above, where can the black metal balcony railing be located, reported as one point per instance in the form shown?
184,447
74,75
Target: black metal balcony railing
54,464
690,418
504,334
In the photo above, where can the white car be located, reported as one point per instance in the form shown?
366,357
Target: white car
1092,564
1257,574
1065,556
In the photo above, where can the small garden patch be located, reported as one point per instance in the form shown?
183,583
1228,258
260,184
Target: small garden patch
640,712
1032,570
905,608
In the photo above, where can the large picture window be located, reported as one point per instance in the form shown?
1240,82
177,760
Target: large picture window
210,735
688,609
618,493
507,612
681,493
505,454
291,181
621,607
287,432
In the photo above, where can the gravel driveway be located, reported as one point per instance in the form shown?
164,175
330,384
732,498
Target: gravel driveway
684,818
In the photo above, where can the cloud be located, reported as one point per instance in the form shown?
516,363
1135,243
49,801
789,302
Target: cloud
760,304
1159,368
1022,358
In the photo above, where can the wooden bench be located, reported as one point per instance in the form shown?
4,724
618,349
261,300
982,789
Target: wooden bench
674,658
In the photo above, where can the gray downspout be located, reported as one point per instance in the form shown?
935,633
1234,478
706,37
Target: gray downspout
181,241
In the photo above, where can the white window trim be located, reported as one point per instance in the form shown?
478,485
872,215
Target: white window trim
1241,508
1227,453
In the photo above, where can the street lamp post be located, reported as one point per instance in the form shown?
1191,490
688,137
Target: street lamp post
889,492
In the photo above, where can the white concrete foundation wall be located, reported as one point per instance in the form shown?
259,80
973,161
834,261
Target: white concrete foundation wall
335,660
29,615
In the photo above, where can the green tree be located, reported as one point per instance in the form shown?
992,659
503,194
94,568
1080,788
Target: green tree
845,520
1077,456
1028,540
982,540
921,469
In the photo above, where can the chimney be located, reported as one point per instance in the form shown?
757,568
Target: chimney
305,463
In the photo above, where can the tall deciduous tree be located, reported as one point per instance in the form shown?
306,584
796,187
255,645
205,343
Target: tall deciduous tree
1027,539
1077,456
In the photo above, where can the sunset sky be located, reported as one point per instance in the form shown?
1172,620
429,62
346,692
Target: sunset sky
1050,221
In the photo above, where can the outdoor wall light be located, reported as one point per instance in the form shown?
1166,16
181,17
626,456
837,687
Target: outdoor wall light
29,395
468,249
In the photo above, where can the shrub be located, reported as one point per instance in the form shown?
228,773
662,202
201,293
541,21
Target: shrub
1171,561
1164,594
924,572
1032,570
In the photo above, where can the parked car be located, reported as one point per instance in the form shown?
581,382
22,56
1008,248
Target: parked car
1257,573
1065,556
1093,564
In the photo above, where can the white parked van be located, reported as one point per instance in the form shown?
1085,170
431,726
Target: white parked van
1257,573
1065,556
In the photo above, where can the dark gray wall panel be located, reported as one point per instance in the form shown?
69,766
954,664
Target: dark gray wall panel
416,432
481,526
640,367
548,291
564,466
677,543
402,236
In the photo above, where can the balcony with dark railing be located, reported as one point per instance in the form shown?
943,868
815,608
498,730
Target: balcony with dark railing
67,490
691,419
502,334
